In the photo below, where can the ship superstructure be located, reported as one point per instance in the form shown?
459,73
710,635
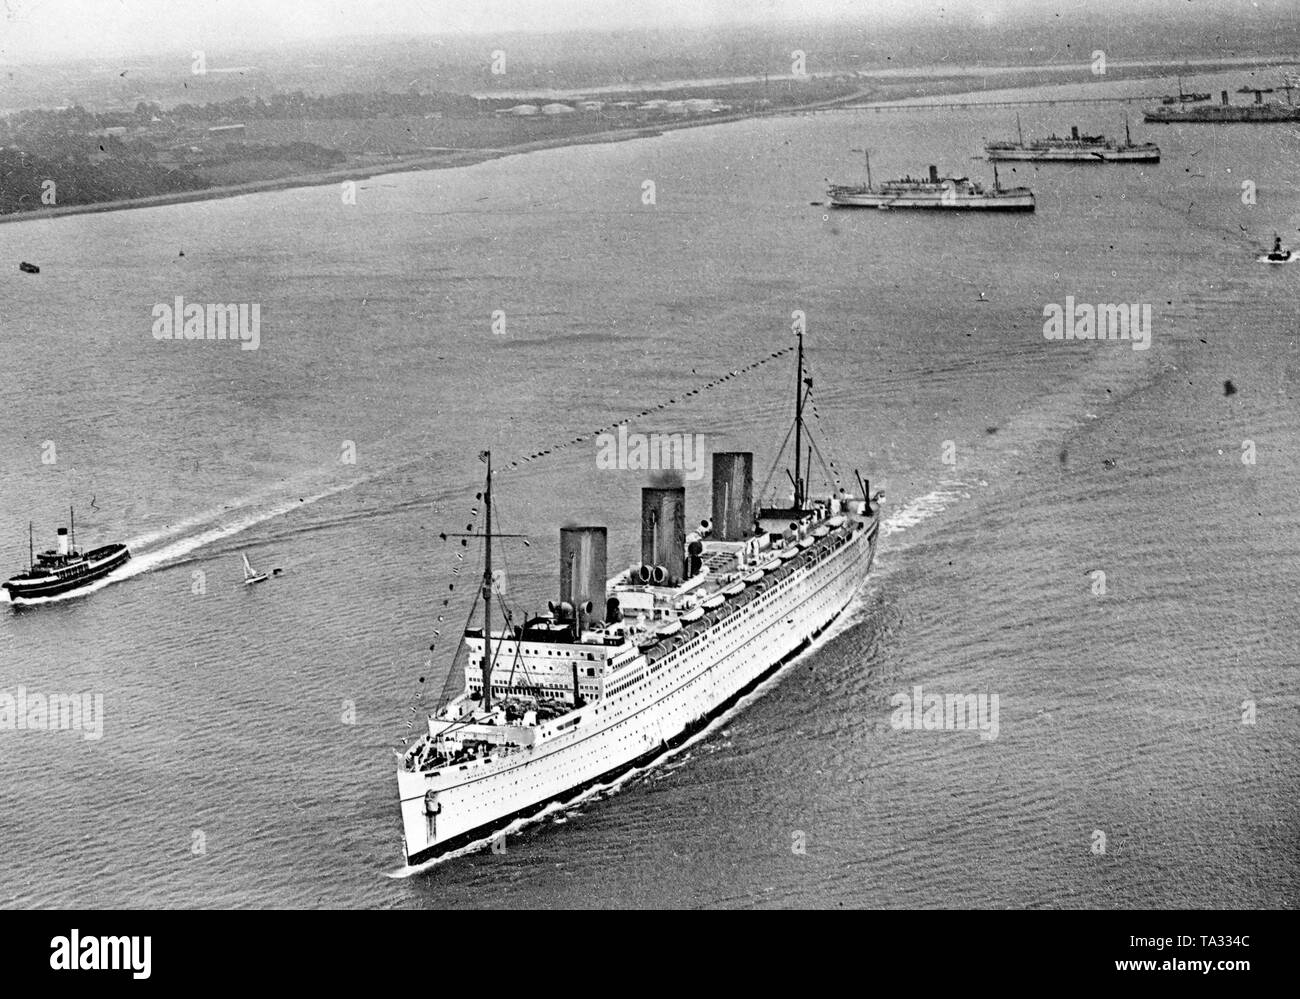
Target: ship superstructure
621,669
1075,148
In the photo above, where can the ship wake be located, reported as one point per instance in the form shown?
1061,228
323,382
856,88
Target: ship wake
173,543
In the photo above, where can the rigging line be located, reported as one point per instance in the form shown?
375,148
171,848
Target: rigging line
444,697
828,464
772,471
451,675
816,412
496,653
518,662
558,446
781,451
825,468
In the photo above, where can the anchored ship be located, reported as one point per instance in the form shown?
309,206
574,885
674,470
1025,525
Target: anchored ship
64,568
1224,113
1076,148
934,192
618,671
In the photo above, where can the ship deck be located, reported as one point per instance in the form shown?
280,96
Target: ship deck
461,733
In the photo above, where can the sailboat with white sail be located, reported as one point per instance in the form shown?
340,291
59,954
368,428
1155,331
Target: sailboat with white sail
251,576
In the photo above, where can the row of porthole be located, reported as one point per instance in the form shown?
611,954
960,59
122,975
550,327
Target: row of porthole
688,684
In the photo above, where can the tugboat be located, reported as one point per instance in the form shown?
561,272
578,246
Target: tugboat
64,568
1279,254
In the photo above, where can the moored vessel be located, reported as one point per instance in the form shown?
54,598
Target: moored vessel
1075,148
932,192
1225,113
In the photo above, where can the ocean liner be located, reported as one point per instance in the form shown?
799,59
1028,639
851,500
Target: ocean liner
1074,149
64,569
932,192
618,671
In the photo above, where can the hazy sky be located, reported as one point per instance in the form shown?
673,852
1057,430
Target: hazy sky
41,29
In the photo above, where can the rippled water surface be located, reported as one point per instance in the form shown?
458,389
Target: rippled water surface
227,774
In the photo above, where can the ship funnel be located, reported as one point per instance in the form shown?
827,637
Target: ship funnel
63,541
663,531
1223,97
934,174
733,494
1074,131
582,571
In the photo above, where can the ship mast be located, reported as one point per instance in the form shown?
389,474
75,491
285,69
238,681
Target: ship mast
1020,136
72,523
31,550
798,428
487,590
867,155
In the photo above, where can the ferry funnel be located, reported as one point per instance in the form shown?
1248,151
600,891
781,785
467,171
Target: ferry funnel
934,174
582,571
63,541
733,494
663,530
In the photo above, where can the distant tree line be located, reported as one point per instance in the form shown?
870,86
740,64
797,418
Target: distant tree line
78,181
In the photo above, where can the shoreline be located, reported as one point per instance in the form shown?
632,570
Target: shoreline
441,161
944,87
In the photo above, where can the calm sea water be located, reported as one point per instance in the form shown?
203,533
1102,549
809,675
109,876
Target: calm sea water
246,756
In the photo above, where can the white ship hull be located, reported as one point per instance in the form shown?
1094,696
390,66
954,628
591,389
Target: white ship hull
1069,155
982,202
650,708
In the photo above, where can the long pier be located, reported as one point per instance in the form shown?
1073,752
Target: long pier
894,106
